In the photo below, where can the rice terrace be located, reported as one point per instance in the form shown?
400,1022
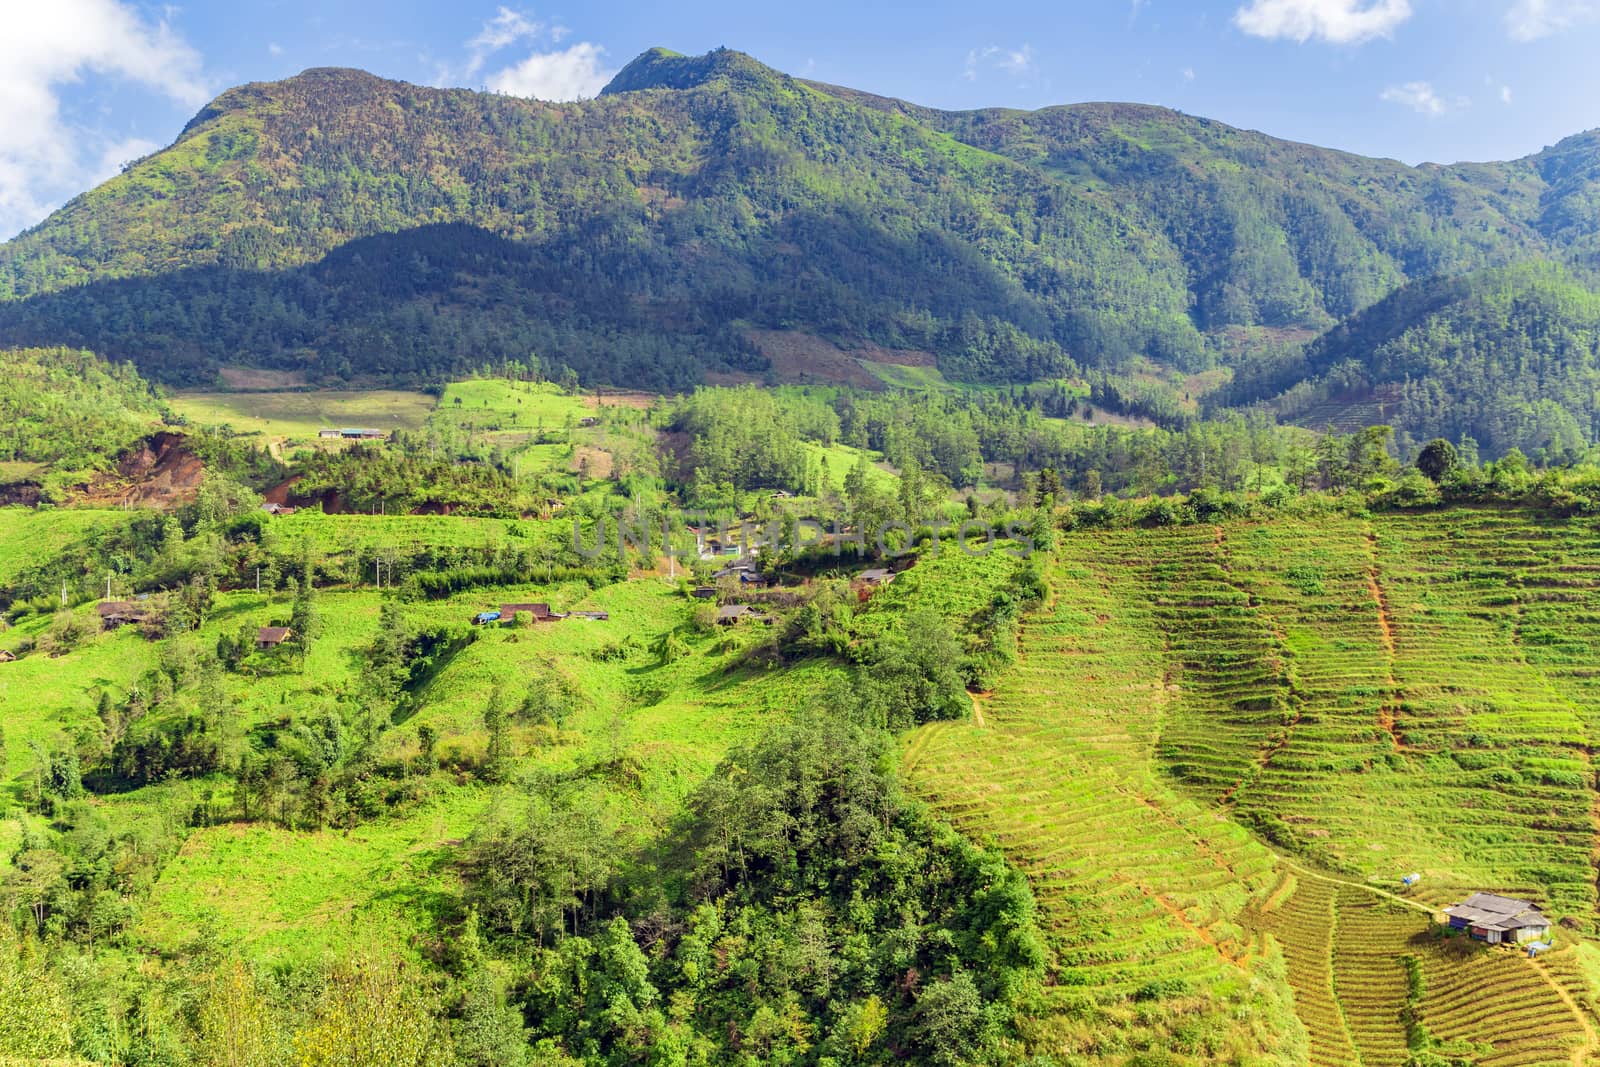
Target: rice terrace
526,559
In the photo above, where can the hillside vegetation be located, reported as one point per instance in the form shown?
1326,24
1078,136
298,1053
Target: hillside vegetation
342,227
1280,720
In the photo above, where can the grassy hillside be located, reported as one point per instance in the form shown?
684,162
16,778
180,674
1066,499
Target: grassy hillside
1224,745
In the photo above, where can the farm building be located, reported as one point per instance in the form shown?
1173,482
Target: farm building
358,433
729,614
733,614
1498,920
115,613
326,433
7,656
539,611
703,592
745,570
483,617
588,420
876,576
277,509
272,636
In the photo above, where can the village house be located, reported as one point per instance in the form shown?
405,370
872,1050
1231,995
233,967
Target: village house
704,592
733,614
729,614
277,509
875,576
115,613
326,432
1498,920
272,636
539,611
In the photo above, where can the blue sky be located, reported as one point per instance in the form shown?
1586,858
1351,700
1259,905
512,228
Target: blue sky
86,84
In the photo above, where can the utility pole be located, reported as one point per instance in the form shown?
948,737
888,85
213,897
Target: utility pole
108,587
63,594
258,579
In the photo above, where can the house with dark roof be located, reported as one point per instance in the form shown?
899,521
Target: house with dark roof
272,636
733,614
115,613
539,611
1498,920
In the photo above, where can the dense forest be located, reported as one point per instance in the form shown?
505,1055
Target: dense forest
640,238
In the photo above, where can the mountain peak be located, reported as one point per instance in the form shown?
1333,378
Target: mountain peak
662,68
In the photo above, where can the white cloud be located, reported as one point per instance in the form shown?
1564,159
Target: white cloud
1187,74
505,29
1505,94
569,73
1017,62
274,49
1336,21
44,158
1529,20
1423,99
573,73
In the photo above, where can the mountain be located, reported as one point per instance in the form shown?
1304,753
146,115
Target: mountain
354,228
1509,357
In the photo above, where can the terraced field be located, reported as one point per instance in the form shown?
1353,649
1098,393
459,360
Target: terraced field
1223,746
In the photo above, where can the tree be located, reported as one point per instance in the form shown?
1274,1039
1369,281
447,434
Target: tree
303,619
427,739
947,1023
236,1024
494,722
1437,459
375,1014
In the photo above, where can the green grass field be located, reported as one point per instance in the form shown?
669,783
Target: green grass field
833,463
295,417
29,537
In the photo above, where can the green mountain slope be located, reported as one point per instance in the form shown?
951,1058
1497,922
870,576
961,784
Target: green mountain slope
350,227
1509,357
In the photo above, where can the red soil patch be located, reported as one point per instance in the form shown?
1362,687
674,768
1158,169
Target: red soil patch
159,473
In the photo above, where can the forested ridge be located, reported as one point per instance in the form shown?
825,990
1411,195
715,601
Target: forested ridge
352,228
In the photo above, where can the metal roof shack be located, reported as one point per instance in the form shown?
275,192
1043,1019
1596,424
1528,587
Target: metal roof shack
1496,919
539,611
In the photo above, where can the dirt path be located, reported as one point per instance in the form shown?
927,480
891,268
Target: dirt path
1319,876
1591,1038
1380,602
977,710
